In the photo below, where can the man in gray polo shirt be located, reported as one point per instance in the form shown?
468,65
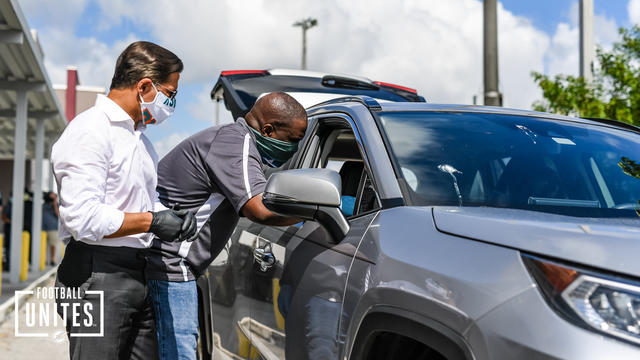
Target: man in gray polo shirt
216,173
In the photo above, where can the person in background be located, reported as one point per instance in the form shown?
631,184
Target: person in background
50,224
6,221
4,255
27,214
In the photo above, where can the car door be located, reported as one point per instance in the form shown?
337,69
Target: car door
233,282
230,283
298,311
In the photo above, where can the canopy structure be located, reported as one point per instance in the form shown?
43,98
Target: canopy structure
31,118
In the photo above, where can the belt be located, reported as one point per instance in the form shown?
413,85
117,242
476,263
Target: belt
130,257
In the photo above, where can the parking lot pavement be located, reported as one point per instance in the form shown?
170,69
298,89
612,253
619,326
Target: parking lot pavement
54,346
8,288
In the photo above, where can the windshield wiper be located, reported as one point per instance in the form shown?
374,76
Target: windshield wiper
534,200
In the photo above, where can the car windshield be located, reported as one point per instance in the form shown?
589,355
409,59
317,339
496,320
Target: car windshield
472,159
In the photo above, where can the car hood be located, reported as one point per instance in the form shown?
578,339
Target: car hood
606,243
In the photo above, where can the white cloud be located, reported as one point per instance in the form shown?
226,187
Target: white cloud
605,30
95,60
522,49
633,8
57,14
205,110
62,47
163,146
431,45
563,56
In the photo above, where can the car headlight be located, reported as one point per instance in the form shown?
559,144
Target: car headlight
607,304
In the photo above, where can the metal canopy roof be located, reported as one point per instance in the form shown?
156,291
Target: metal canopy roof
22,67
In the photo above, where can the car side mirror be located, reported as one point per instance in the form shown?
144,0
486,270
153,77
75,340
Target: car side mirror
310,194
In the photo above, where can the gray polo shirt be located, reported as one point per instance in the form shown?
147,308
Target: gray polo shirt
213,173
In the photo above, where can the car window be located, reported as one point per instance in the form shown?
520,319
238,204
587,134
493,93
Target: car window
368,199
470,159
338,150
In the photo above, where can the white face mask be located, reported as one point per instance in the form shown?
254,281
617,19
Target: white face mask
158,110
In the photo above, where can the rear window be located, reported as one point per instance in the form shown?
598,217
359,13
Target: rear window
464,159
249,87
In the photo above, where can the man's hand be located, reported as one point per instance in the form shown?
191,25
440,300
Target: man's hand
169,225
189,225
255,211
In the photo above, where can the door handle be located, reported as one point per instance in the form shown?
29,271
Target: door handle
264,257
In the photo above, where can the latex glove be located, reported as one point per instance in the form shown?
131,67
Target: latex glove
189,225
167,224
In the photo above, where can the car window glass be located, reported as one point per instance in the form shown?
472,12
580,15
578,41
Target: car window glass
341,153
338,150
368,199
496,160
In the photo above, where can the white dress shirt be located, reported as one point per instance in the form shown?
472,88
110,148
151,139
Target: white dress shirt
104,168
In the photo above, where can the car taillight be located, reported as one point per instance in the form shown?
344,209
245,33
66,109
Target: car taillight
243,72
598,302
396,86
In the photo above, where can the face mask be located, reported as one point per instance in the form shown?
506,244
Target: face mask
274,152
158,110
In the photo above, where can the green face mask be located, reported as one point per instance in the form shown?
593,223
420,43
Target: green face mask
274,152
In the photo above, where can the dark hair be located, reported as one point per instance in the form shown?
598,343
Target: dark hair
143,59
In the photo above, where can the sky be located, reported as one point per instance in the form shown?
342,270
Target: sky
434,46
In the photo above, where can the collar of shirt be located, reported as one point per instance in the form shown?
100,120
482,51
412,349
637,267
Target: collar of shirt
243,122
115,113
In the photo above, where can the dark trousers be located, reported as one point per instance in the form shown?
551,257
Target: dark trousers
129,330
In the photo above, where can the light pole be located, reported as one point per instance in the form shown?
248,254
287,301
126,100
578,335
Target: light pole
217,112
586,39
305,24
492,95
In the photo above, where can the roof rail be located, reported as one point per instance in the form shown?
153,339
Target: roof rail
368,101
615,123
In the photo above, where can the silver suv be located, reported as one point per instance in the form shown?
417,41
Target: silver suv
437,232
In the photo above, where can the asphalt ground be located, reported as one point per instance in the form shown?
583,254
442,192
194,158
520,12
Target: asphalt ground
52,347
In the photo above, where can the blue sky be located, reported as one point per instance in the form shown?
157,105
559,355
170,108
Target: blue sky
441,57
547,14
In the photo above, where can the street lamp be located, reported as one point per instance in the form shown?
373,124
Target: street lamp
586,39
492,94
305,24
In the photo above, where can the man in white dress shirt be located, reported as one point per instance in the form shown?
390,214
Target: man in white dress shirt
105,168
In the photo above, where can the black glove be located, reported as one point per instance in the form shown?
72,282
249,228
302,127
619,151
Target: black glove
167,224
189,225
